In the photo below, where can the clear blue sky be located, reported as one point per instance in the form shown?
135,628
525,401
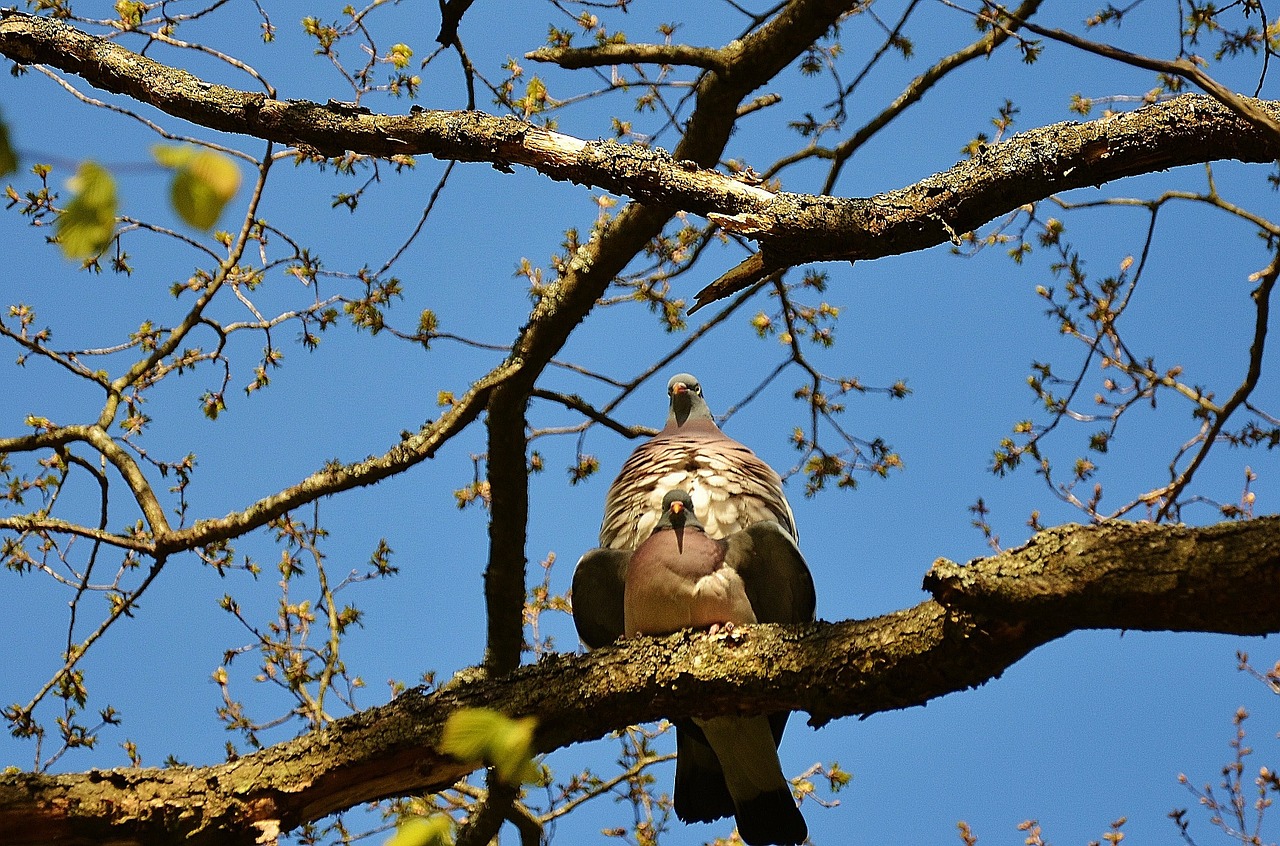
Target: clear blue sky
1086,730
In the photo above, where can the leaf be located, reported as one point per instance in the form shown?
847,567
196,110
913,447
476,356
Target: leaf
172,157
482,734
204,182
422,831
85,229
8,158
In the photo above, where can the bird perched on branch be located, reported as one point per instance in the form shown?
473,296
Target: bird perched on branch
680,577
662,567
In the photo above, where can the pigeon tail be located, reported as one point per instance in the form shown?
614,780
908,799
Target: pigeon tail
772,819
765,810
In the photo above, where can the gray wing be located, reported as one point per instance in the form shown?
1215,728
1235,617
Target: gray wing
773,571
599,585
731,487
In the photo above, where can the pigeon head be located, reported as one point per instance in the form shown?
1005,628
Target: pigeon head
686,400
677,512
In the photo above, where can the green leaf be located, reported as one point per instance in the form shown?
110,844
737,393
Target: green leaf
85,229
204,182
172,157
8,158
482,734
422,831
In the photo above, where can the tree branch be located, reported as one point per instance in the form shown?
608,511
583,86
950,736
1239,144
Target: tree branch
1262,319
463,136
791,229
1185,68
986,617
53,526
573,58
451,12
336,478
504,586
577,403
916,89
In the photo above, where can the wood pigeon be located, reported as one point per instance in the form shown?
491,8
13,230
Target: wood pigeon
730,486
682,577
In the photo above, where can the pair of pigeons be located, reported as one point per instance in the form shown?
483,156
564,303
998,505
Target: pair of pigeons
697,533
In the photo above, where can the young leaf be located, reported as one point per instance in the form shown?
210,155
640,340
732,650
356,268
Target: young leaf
8,158
482,734
85,229
204,182
422,831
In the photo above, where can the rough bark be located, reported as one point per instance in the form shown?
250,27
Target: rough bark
985,616
790,229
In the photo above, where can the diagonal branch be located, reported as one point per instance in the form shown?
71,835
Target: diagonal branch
793,228
1262,319
1245,107
463,136
986,616
52,525
918,87
577,403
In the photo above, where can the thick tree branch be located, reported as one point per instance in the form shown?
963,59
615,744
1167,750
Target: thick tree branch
504,585
793,229
462,136
790,228
986,616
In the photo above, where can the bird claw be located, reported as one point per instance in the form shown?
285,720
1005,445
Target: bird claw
725,630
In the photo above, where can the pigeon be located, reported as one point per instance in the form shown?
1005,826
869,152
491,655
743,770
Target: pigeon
681,577
730,486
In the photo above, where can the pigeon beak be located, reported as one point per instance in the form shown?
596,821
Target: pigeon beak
680,388
677,507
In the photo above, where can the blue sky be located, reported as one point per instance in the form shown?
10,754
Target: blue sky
1085,730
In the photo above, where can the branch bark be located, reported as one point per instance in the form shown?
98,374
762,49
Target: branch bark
791,229
985,617
631,54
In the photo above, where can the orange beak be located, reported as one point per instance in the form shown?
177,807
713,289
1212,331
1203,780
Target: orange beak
677,507
680,388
